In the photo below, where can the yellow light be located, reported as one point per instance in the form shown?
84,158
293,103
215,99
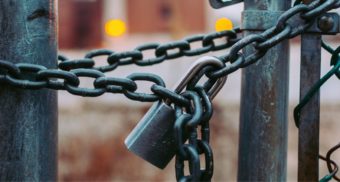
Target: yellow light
223,24
115,27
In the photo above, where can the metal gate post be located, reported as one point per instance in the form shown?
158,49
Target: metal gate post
310,114
264,102
28,119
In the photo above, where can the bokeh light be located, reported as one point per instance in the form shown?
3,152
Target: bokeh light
115,28
223,24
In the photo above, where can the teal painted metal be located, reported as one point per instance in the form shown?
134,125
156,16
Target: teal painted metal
264,106
28,119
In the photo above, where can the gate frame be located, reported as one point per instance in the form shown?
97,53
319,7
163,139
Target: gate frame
264,100
310,72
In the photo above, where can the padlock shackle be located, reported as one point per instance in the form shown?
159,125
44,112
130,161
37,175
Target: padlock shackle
217,87
195,69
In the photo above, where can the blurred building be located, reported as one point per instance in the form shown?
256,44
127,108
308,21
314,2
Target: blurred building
81,22
81,26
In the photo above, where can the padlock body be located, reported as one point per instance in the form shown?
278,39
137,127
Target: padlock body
153,137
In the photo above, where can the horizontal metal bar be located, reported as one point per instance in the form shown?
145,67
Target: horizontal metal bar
258,20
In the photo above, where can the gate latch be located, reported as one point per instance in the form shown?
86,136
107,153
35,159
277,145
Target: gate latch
223,3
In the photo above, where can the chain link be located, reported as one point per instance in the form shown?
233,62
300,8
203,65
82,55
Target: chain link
186,126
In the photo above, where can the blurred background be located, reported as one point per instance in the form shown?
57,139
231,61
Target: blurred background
92,130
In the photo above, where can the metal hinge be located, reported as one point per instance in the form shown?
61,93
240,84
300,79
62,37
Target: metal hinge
223,3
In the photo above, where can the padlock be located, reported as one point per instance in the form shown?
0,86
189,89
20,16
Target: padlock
153,137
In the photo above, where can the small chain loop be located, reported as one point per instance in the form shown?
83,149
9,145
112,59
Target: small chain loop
27,79
76,64
143,97
208,40
115,85
208,172
125,58
24,83
163,50
321,7
98,52
102,52
85,91
194,165
198,38
150,61
10,68
49,75
170,95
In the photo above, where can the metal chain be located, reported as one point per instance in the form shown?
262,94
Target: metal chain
30,76
186,126
284,29
161,52
197,107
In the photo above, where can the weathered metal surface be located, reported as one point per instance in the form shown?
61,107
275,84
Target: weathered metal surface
28,119
264,105
310,114
275,5
328,24
262,20
259,20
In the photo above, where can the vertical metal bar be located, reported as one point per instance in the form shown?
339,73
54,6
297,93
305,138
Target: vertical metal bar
310,114
264,106
28,119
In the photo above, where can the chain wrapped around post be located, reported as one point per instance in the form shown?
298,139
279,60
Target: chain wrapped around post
193,106
30,76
